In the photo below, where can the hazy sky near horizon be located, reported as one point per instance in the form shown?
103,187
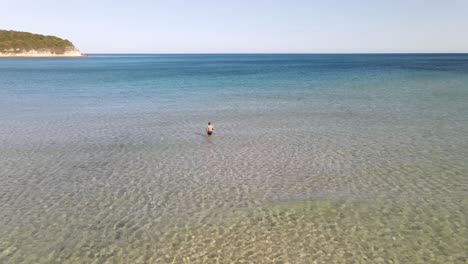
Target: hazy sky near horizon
270,26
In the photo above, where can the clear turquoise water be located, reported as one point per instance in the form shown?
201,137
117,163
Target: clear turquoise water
327,158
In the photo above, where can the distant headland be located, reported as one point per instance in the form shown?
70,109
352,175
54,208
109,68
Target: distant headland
25,44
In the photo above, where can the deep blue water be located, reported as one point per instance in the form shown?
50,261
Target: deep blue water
133,82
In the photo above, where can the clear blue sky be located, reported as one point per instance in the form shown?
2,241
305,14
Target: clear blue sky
216,26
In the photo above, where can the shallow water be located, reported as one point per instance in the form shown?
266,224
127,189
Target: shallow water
326,158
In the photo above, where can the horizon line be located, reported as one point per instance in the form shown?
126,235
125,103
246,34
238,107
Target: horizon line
265,53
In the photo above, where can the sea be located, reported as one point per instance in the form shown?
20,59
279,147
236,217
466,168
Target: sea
315,158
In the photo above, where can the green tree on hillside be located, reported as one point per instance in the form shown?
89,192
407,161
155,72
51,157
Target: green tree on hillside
15,41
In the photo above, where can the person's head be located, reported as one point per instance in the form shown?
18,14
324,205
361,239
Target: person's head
209,123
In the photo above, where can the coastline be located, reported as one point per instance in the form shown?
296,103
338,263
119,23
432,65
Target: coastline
43,54
44,57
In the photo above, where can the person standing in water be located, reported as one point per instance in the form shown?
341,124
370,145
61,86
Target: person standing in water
209,129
